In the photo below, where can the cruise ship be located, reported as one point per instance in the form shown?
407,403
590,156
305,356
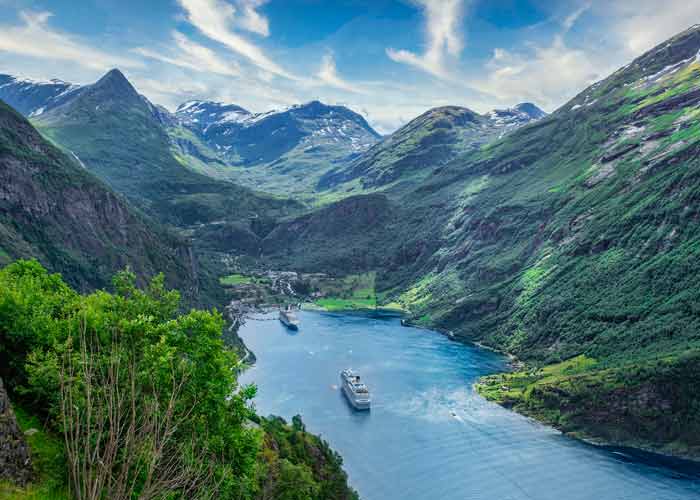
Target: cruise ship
356,392
289,319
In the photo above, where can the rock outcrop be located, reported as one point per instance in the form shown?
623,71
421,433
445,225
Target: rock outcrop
15,459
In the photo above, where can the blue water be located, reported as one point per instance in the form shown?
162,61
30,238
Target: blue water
428,435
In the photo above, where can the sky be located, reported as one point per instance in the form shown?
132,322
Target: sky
389,60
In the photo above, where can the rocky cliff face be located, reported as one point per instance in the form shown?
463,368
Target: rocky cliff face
15,459
51,208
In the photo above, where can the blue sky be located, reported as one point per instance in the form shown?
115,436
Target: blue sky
388,59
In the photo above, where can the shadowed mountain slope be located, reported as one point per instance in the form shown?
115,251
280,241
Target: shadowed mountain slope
53,209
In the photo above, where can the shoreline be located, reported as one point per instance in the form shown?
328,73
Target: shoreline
638,451
312,306
631,447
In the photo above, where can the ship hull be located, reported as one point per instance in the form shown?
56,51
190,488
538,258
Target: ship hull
285,320
289,325
358,405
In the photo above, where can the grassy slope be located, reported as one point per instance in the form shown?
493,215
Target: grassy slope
651,404
579,236
353,292
48,460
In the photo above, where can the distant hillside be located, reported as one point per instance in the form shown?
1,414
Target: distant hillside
52,209
284,151
409,155
121,137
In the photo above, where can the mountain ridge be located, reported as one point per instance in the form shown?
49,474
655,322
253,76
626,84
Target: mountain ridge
123,138
427,142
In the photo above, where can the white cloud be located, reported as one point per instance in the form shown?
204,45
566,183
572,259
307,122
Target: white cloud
443,38
251,20
193,56
328,75
548,75
217,19
170,92
642,24
35,38
571,19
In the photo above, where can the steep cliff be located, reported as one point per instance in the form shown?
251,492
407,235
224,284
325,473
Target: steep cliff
52,209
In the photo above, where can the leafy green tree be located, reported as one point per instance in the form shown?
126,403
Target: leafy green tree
146,397
295,482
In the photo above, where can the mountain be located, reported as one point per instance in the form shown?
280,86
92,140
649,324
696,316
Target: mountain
250,139
31,97
278,151
571,242
122,138
409,155
574,238
509,119
283,152
52,209
200,115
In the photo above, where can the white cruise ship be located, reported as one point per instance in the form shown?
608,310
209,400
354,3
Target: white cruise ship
356,392
289,319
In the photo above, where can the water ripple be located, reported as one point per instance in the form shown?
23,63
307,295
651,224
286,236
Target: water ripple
428,434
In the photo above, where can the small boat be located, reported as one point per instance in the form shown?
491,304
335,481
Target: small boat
289,319
356,392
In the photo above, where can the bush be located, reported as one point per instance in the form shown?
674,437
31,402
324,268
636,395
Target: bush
146,398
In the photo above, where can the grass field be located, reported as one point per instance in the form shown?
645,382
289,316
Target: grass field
352,292
235,279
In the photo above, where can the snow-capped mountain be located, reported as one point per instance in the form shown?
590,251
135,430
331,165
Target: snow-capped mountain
34,97
509,119
246,138
201,114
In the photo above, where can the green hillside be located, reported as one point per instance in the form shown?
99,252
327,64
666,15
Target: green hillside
129,398
122,138
576,235
53,210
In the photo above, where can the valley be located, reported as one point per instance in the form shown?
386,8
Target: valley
568,241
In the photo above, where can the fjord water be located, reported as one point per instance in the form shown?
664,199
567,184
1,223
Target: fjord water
428,435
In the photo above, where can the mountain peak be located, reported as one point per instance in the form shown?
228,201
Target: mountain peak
115,82
458,115
531,110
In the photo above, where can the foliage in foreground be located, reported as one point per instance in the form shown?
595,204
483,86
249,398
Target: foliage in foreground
142,401
300,466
